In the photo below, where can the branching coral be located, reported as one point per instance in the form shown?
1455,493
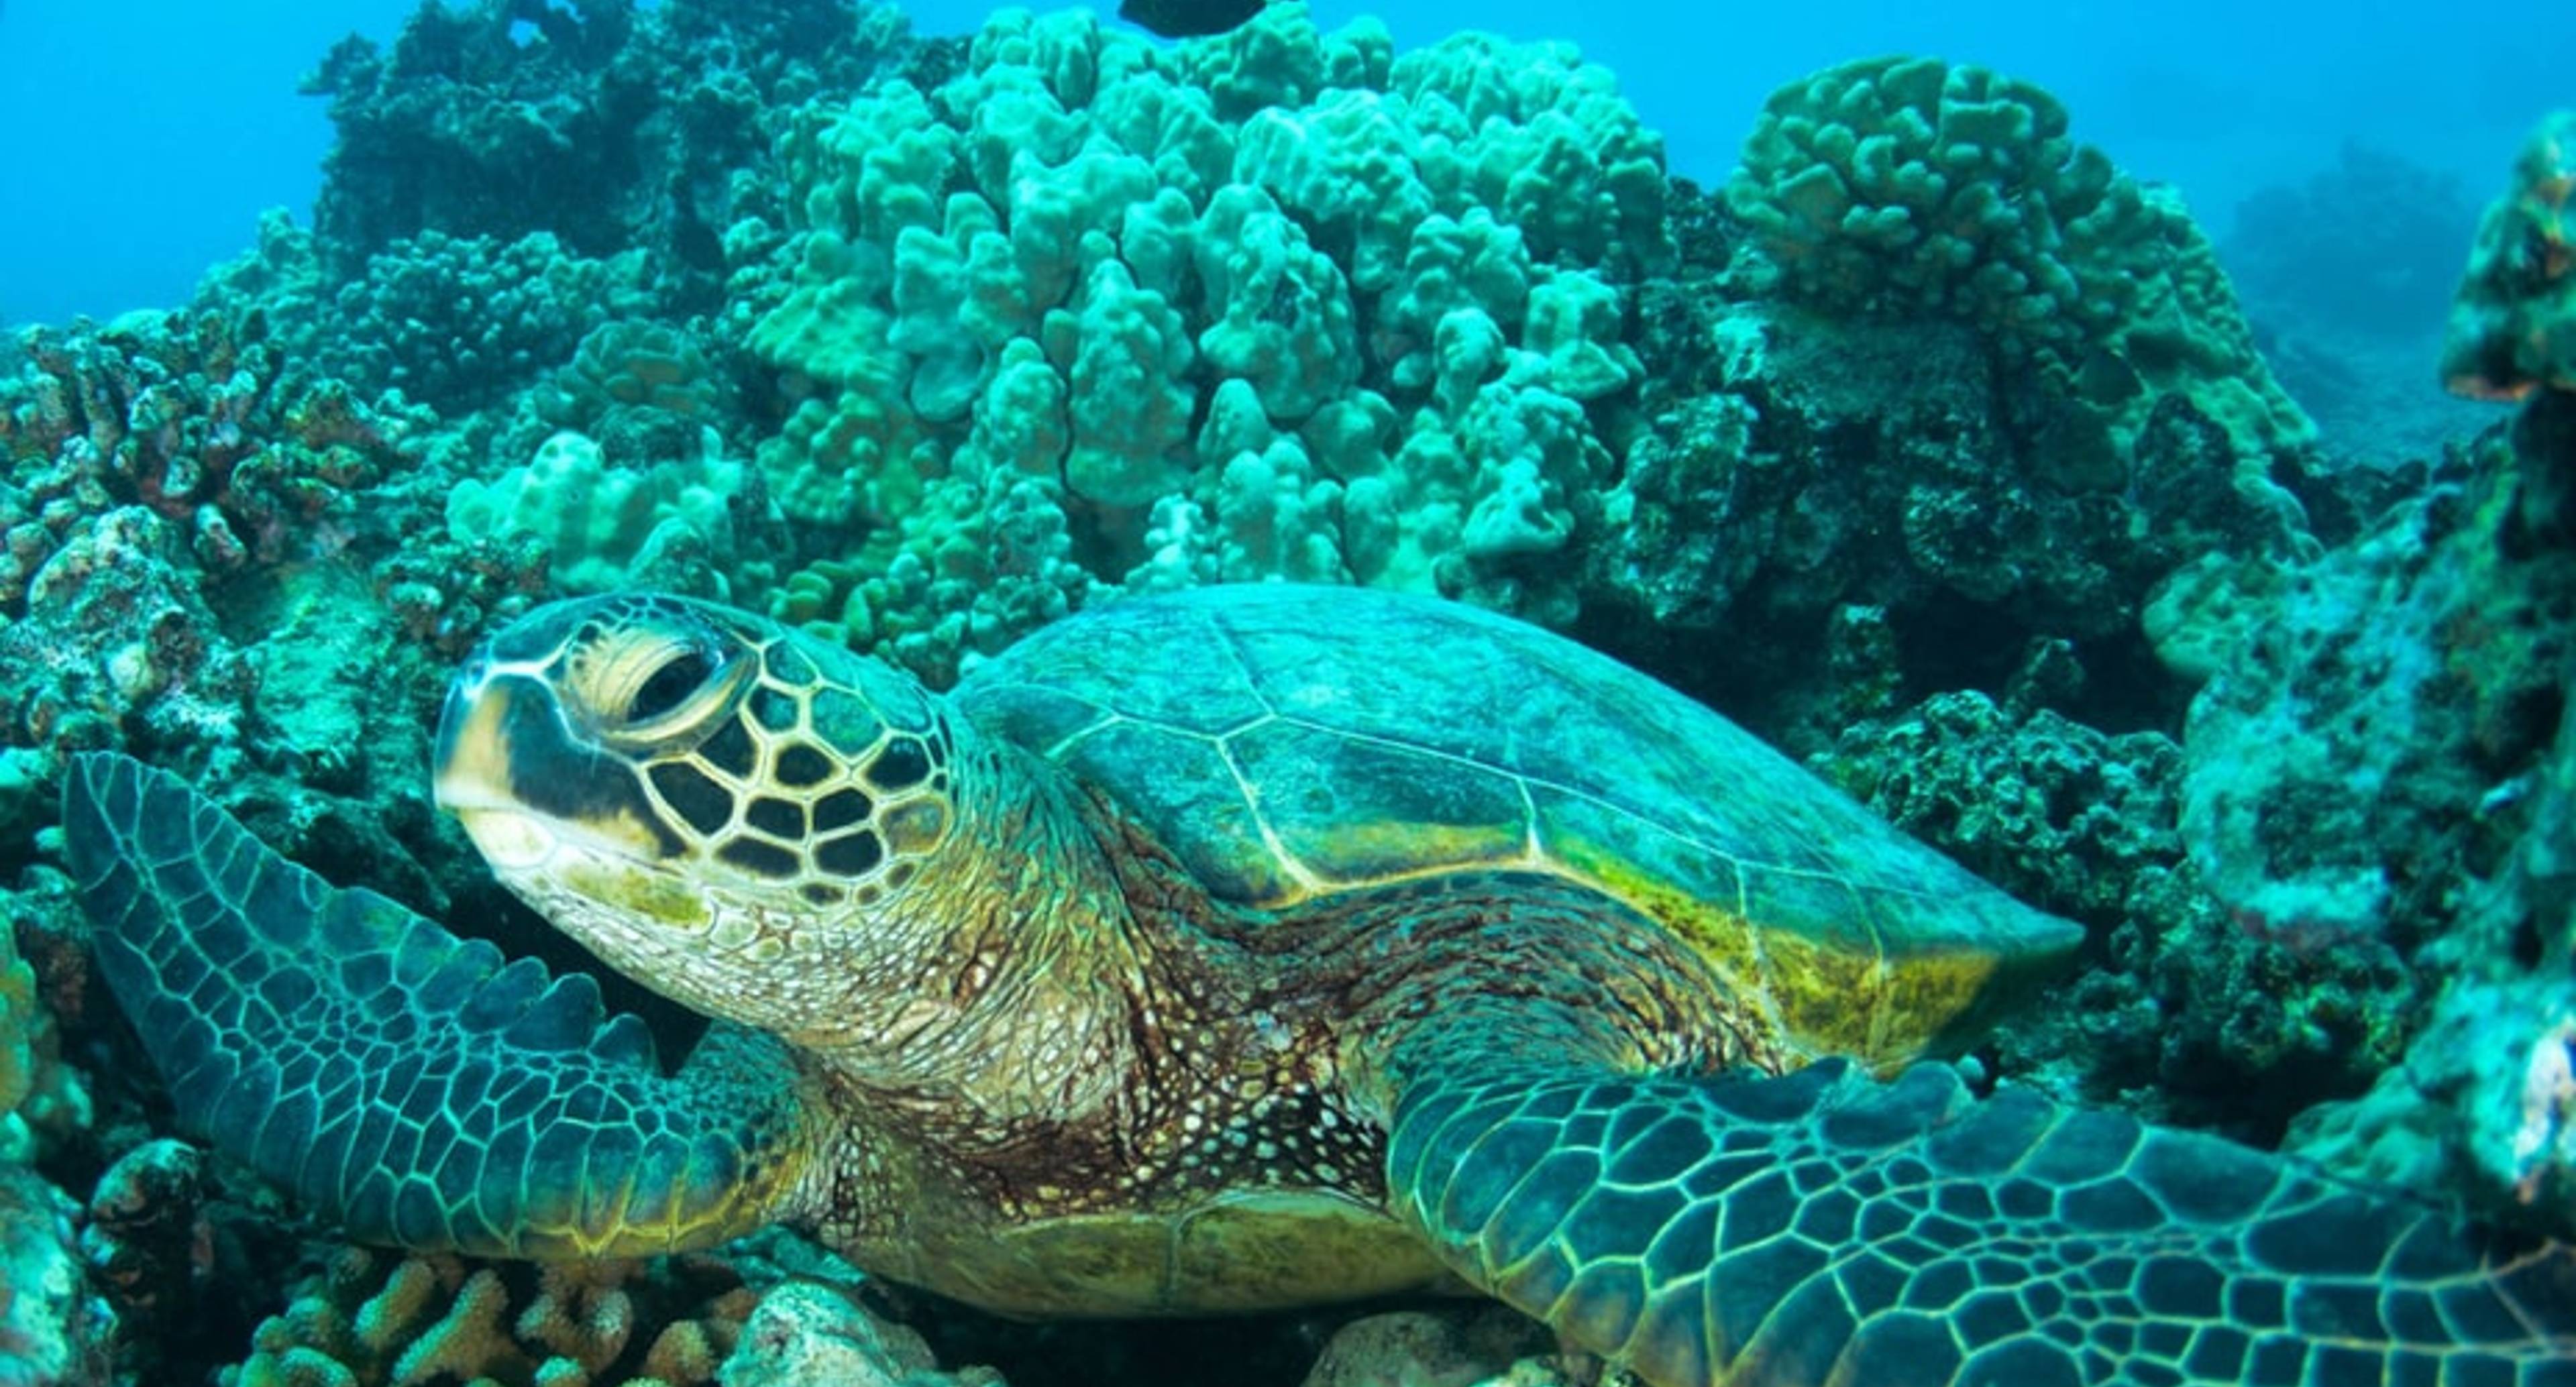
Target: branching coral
195,416
1275,304
373,1319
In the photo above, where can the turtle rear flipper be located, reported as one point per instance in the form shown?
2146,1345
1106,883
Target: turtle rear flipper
1822,1228
402,1082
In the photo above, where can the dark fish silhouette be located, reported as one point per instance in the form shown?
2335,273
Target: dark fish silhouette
1188,19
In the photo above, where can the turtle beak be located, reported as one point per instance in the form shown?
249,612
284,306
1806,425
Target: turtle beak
471,769
513,772
471,776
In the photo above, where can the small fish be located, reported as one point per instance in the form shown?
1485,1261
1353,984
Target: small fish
1188,19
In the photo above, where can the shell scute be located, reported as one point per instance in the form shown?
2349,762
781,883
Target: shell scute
1284,741
1182,785
1358,809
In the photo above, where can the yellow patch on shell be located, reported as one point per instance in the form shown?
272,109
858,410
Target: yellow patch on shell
1372,854
1828,996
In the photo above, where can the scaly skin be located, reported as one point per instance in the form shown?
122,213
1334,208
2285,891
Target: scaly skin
1826,1229
402,1082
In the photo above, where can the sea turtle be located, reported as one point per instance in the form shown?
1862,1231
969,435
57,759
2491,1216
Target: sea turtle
1236,948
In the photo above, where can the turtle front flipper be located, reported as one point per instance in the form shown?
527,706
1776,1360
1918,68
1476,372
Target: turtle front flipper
1826,1229
400,1081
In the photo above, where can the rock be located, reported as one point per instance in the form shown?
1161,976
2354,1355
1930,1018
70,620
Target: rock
1476,1344
53,1333
802,1333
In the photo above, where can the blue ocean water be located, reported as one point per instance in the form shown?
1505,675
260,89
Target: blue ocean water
146,137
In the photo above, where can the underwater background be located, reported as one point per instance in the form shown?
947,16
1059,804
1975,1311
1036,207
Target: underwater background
2130,452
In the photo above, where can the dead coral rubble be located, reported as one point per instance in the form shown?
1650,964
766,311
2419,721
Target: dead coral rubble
192,416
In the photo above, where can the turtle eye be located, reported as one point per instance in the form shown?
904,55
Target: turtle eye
669,686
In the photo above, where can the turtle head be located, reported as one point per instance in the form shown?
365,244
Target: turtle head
717,805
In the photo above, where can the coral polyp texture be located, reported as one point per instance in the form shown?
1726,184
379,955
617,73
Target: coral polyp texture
2385,764
1274,304
18,1021
373,1319
195,416
2513,323
1912,187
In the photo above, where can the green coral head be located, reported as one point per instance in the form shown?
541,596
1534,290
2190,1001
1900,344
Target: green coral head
2513,323
726,810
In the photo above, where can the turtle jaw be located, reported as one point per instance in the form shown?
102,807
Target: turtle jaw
511,842
548,812
520,780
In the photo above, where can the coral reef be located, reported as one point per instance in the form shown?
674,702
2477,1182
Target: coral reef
1935,448
2375,748
2387,761
114,638
1792,469
53,1333
44,1101
462,321
454,322
46,1105
611,127
635,367
194,416
1910,188
2338,758
373,1319
2367,248
2189,1013
1088,315
802,1333
605,526
2513,323
2396,772
18,1023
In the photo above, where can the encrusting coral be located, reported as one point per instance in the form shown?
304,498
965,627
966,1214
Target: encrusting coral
2387,761
52,1332
17,1036
2387,766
